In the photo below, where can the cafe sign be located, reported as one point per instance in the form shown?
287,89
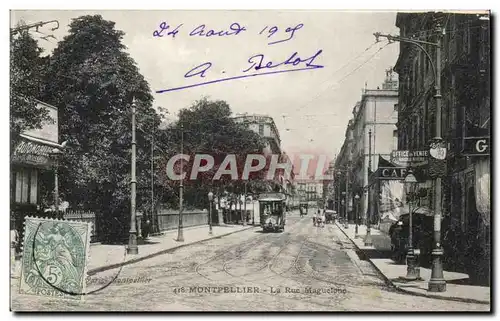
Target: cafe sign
476,146
409,158
398,173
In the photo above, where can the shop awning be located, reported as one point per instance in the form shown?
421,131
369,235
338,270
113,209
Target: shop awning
396,213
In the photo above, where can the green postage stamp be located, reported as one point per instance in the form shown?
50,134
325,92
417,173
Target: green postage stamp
54,262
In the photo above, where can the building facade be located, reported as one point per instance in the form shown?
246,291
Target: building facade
329,186
310,191
373,122
265,126
465,121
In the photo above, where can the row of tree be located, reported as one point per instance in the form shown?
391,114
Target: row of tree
92,80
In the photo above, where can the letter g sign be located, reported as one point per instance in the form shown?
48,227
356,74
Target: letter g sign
481,145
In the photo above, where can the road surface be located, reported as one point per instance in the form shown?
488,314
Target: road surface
305,268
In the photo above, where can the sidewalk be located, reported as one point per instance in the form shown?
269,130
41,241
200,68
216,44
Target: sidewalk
379,256
106,257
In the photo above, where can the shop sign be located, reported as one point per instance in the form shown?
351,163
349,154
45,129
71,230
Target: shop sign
476,146
409,158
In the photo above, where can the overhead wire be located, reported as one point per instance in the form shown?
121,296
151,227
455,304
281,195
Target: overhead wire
332,74
346,76
342,79
364,63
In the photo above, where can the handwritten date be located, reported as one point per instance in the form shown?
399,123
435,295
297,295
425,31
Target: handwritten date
234,29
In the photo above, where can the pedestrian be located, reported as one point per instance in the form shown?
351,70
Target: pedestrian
146,228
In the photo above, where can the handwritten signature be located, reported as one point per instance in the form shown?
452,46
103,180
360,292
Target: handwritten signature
234,29
257,62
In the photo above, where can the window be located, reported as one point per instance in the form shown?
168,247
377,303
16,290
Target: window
26,185
423,60
426,47
395,139
413,81
395,107
466,39
416,83
413,144
261,129
418,132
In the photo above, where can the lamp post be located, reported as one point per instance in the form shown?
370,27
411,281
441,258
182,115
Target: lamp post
340,195
180,229
437,283
132,240
356,198
341,198
55,155
245,205
368,237
343,205
412,270
347,199
210,199
153,215
342,202
253,211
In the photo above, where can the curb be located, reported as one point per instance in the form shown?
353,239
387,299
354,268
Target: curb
403,290
149,256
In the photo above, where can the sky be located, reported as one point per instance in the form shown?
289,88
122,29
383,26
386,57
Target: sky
311,108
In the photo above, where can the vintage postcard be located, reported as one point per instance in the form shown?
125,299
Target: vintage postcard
250,161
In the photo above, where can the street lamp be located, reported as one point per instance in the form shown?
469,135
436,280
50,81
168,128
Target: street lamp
210,199
356,235
339,197
368,236
132,240
55,155
437,283
253,211
342,202
180,227
412,270
245,205
345,202
346,195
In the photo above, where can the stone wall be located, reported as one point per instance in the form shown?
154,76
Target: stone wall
169,219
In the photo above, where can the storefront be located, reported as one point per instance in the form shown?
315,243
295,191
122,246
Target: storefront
31,174
468,236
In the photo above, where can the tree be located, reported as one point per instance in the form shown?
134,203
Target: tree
208,128
26,73
93,80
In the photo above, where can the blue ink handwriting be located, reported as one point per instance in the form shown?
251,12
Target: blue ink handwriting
275,29
164,27
235,29
257,64
200,70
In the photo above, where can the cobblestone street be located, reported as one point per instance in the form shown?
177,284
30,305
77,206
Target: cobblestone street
305,268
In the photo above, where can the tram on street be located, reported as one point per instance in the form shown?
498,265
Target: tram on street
272,211
303,206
